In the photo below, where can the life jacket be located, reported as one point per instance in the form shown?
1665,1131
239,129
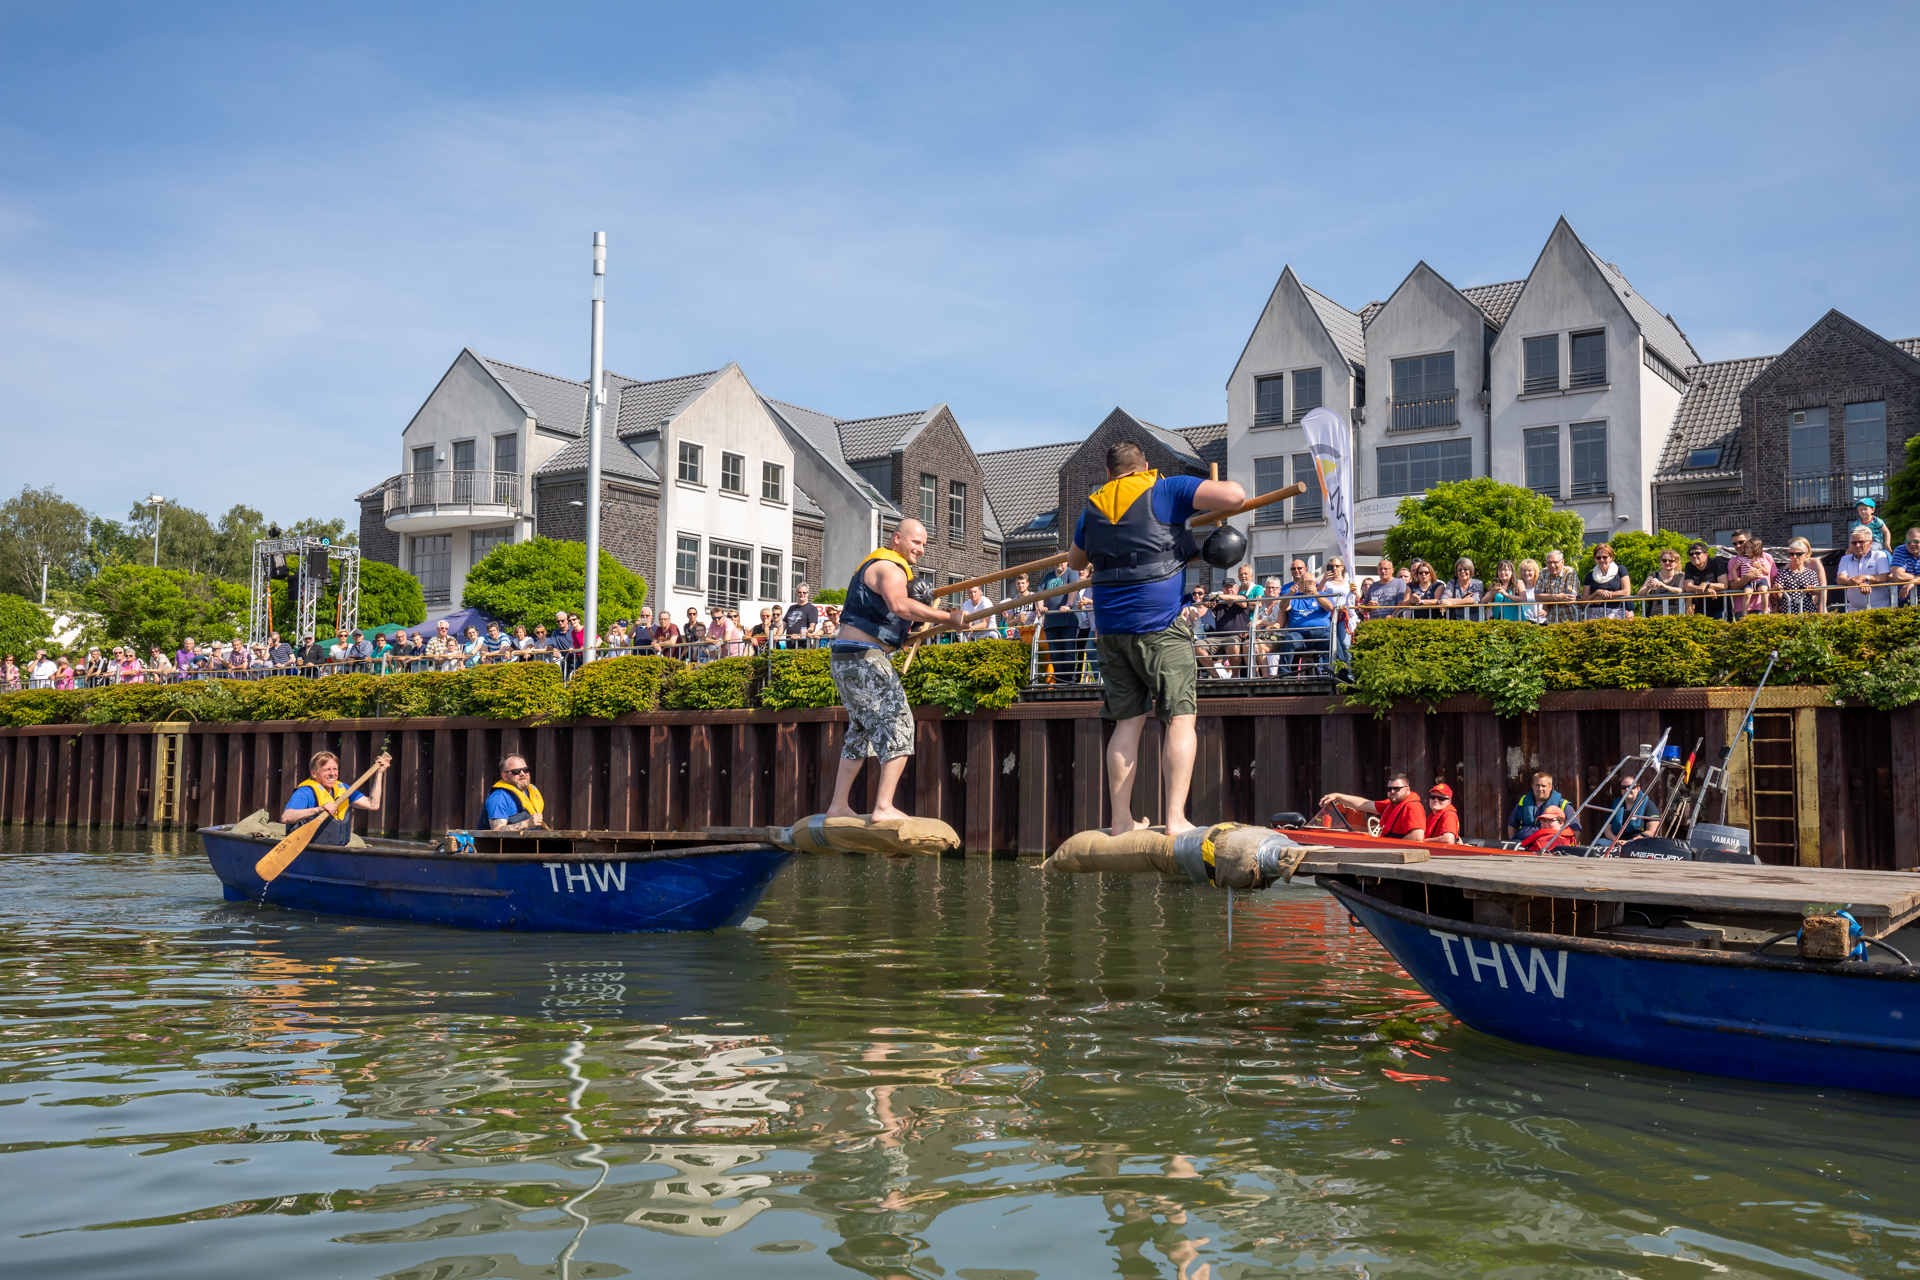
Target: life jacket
531,803
867,609
1528,811
333,831
1124,540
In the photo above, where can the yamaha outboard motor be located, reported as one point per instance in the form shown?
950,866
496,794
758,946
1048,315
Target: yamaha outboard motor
1712,842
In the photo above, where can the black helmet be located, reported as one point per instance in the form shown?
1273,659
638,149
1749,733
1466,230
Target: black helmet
921,588
1226,548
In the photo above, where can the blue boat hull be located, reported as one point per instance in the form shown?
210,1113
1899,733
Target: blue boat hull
693,889
1722,1013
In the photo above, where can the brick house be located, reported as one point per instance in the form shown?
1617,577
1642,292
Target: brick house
1190,451
1023,489
1784,445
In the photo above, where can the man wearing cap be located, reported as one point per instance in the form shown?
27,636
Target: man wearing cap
1443,820
1525,818
1551,833
361,651
1402,816
1866,517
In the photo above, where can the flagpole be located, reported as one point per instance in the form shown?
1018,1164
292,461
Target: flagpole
596,403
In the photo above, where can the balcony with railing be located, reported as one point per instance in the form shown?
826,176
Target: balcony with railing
1426,409
424,501
1835,489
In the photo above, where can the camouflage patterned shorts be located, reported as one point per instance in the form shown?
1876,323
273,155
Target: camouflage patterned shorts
879,722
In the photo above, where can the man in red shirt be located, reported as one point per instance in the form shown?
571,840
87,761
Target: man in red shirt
1552,833
1443,820
1402,816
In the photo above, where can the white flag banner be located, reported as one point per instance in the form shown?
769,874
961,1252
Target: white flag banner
1332,447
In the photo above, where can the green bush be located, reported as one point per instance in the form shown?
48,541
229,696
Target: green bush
830,595
957,678
528,582
716,686
23,628
387,595
618,686
798,678
159,608
44,706
1512,664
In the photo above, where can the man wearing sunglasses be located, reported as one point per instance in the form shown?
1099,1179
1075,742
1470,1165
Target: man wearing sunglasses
514,803
1905,569
1402,816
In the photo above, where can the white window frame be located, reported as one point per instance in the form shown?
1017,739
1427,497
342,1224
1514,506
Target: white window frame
680,570
691,452
773,475
740,472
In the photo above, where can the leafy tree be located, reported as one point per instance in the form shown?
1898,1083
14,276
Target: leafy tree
334,531
163,606
233,542
387,595
39,528
1901,510
1483,520
528,582
23,627
1639,553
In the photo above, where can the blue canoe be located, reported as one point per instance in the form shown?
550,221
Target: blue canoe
571,882
1843,1025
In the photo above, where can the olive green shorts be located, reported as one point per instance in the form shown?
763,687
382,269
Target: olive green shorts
1144,670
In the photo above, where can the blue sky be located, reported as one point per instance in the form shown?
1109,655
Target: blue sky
239,244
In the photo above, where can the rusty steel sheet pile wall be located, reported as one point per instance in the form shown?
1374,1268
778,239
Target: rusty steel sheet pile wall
1823,782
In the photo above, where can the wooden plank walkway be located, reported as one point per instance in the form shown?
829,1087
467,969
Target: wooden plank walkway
1881,900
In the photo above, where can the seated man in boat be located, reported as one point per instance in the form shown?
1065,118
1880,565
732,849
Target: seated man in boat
323,783
1551,833
1525,818
1402,816
1443,820
1630,815
514,803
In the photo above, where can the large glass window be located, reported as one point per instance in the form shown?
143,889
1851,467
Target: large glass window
728,569
485,540
929,492
956,509
463,471
773,482
686,563
1269,474
1543,364
770,575
1421,374
1307,505
1867,451
1589,444
433,566
1306,392
799,567
506,470
1415,468
1809,464
1269,401
1543,460
1587,359
1265,567
423,463
1818,536
690,462
733,473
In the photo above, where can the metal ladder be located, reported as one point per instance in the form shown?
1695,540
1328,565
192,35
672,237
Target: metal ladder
170,739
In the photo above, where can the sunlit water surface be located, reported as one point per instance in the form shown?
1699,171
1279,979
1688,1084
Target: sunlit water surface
930,1068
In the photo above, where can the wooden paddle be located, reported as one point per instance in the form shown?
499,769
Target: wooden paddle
281,855
1004,575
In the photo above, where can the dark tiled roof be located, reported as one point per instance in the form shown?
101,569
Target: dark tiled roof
863,438
1343,325
558,404
1709,417
1909,345
822,432
1209,441
804,505
1368,312
1022,483
1661,333
618,457
642,406
1495,300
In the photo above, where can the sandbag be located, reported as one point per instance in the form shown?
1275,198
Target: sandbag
1146,851
256,824
907,836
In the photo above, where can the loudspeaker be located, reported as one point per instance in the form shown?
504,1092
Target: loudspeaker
316,566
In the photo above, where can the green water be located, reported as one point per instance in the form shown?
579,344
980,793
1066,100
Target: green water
936,1068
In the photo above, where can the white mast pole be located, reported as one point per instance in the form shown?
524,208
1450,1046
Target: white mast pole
596,403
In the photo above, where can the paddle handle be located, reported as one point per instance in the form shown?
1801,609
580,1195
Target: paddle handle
278,858
1293,490
1004,575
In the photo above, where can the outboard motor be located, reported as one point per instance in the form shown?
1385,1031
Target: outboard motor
1656,849
1712,842
1707,848
1281,821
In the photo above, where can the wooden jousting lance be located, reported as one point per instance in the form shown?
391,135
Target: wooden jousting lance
1293,490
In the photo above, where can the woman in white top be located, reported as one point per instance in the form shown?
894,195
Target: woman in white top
1338,589
475,648
1529,582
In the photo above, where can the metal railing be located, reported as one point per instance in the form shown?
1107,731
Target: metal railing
1263,652
416,491
1428,409
1835,488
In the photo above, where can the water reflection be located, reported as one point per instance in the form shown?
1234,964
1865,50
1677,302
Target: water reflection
932,1068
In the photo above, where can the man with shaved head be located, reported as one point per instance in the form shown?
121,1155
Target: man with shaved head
874,623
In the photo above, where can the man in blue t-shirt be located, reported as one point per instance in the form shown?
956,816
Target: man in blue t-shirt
1308,620
1127,536
1906,569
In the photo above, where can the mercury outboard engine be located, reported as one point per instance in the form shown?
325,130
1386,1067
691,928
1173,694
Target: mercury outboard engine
1703,847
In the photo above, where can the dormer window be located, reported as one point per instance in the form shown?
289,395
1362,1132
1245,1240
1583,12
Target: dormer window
1704,457
1269,401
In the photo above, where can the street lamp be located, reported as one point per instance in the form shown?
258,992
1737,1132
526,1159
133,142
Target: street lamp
155,501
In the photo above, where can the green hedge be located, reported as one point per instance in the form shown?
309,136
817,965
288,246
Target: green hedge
522,691
617,686
957,678
1512,663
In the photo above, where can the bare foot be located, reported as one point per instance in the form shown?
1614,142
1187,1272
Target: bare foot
842,811
1120,829
1177,825
887,814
